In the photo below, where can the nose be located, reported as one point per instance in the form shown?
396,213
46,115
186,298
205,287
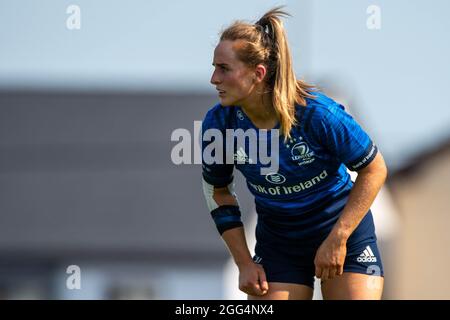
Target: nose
215,78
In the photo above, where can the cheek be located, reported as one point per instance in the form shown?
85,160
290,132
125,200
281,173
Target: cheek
240,83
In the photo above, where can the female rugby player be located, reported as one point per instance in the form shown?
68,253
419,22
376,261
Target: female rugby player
312,219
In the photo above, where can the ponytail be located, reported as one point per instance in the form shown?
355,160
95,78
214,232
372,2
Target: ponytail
286,89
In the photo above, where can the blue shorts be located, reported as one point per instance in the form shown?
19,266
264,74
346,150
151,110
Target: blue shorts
288,261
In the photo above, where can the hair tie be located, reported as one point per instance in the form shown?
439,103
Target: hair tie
265,27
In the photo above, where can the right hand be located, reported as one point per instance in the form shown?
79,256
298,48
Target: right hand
252,279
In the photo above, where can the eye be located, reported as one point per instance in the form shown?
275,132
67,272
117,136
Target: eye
221,67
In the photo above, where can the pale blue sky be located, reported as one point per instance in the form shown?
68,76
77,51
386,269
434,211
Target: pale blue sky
397,76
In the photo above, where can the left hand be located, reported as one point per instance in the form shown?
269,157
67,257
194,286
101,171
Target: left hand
330,257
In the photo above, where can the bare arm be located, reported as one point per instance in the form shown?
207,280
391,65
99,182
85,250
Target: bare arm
234,238
331,254
252,278
367,185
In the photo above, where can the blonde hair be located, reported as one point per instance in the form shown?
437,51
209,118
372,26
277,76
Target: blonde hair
265,42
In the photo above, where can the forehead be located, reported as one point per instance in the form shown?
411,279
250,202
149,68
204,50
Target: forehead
224,53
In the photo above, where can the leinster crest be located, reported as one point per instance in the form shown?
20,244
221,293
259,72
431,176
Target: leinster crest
300,151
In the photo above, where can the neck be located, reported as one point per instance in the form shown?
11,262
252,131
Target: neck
260,110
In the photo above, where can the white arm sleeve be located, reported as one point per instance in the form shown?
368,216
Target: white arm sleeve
208,191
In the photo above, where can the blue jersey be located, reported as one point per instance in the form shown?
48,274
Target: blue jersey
312,183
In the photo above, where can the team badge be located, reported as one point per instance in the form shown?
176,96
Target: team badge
300,151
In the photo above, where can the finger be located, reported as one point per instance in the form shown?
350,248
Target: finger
325,272
340,270
263,281
332,273
318,272
244,289
249,290
257,290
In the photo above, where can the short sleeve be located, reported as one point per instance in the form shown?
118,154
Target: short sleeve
344,137
215,170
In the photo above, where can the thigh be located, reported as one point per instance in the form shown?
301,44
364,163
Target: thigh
285,291
353,286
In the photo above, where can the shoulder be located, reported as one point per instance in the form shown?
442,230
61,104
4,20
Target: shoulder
319,108
324,106
218,117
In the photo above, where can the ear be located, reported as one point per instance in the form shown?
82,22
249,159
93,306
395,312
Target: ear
260,73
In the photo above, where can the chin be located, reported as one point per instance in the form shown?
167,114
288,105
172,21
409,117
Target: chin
227,102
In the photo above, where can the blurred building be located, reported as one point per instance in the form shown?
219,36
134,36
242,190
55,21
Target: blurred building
87,179
421,190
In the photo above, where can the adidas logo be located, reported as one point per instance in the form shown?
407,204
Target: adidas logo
241,156
367,256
